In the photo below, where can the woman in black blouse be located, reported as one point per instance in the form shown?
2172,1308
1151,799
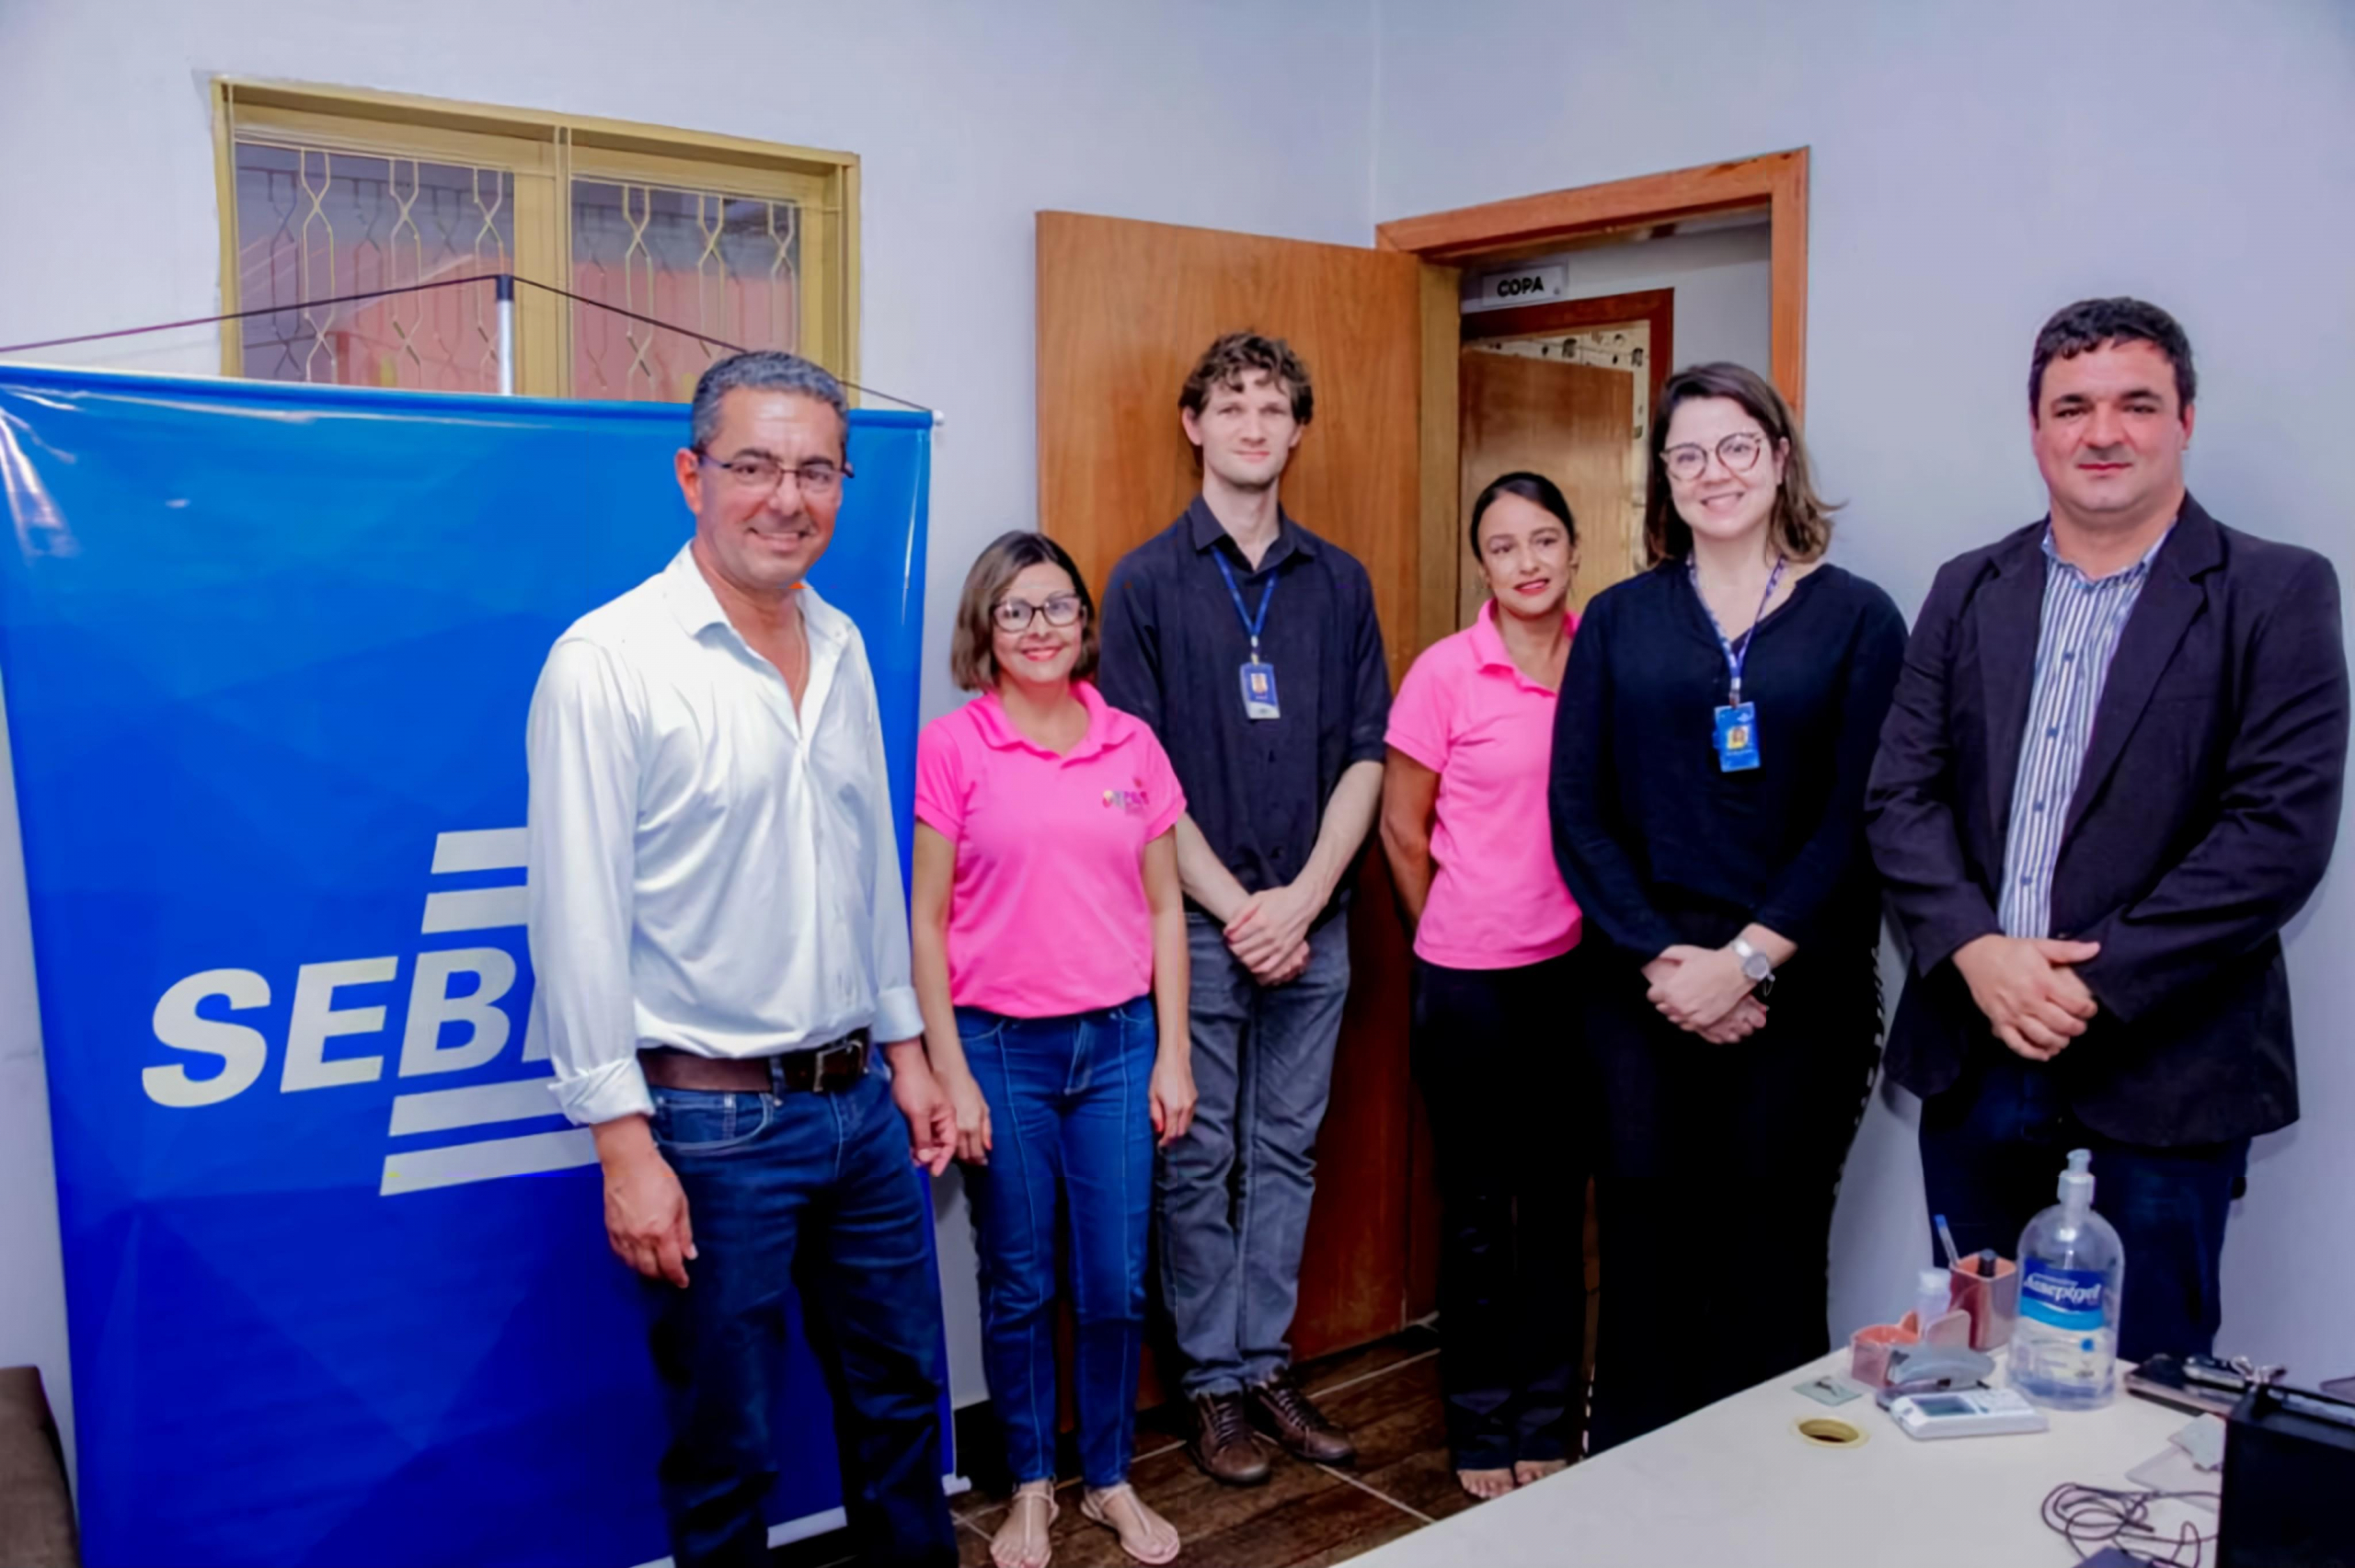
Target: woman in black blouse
1717,723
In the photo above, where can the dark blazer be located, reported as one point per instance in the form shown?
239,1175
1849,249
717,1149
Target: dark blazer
2202,819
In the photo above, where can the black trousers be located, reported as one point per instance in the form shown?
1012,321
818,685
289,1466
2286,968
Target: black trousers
1496,1053
1718,1166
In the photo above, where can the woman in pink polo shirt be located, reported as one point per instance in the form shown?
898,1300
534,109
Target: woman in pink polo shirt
1495,1050
1050,957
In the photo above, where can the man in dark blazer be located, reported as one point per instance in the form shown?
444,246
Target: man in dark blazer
2110,777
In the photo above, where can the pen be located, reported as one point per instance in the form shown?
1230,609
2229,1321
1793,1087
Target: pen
1953,1258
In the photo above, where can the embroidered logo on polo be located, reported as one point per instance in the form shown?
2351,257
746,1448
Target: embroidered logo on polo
1132,801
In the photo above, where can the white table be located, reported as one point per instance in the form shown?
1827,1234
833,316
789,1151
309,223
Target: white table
1734,1483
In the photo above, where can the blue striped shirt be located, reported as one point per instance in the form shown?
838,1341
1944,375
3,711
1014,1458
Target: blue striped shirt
2083,618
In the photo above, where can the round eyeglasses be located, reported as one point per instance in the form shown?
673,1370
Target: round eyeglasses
1738,452
1015,614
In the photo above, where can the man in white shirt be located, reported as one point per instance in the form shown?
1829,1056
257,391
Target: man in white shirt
721,940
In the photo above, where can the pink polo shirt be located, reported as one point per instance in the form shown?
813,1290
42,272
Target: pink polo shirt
1047,914
1468,714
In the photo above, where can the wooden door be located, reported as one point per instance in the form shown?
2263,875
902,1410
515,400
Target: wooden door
1125,310
1575,424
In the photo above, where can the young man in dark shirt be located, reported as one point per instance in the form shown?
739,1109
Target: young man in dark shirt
1250,646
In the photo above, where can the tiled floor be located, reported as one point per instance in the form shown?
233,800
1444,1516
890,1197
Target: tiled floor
1386,1394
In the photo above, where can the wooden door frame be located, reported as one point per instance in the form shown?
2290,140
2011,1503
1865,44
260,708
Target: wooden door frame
1777,182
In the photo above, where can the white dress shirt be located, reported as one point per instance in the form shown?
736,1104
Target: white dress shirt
709,869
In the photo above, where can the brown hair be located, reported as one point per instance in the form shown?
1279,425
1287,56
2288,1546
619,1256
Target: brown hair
1800,524
1227,362
971,663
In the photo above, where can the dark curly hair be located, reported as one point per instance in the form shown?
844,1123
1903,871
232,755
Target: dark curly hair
2094,324
1236,355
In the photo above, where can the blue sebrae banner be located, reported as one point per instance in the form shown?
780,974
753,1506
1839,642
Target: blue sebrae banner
336,1276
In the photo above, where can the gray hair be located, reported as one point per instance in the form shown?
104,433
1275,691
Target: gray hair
761,370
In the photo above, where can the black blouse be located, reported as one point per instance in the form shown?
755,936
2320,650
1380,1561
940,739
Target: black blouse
1659,845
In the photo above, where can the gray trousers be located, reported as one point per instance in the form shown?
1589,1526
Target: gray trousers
1233,1195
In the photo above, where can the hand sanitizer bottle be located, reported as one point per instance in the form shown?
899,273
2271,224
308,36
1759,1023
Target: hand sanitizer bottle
2065,1352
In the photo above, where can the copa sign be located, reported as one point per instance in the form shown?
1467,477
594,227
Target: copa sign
1523,285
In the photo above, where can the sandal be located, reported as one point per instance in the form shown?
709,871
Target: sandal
1022,1541
1144,1535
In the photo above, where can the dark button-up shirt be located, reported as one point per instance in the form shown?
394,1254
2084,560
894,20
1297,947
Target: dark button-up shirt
1174,649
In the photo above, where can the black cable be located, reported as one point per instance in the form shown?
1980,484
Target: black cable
421,288
700,336
2091,1517
243,315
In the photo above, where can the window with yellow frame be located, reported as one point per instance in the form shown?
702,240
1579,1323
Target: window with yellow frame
327,193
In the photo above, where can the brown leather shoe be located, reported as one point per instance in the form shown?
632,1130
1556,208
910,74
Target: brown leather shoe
1223,1444
1279,1409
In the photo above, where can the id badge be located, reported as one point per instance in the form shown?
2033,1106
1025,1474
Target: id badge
1260,690
1737,738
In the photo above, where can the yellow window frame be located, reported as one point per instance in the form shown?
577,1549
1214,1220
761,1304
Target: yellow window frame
544,153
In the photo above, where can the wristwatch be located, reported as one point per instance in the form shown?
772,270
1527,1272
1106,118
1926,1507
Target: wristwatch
1755,966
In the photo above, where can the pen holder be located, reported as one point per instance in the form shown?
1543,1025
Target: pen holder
1869,1347
1994,1304
1868,1350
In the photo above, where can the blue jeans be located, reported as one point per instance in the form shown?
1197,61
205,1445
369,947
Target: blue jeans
1263,1065
1070,1115
812,1191
1992,1148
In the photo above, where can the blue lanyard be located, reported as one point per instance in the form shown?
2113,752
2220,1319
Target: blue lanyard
1251,624
1735,659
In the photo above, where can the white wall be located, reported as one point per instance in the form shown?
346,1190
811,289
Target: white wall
1974,168
969,119
1724,292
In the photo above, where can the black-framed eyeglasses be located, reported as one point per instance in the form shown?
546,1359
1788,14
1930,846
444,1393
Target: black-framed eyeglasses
754,472
1738,452
1015,614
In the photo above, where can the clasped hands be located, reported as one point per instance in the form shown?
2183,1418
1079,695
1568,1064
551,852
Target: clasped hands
1269,934
1703,990
2029,989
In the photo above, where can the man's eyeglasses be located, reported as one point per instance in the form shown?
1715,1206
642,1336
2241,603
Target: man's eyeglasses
753,472
1738,452
1015,614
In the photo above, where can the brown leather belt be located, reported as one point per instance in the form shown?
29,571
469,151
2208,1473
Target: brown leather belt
828,1070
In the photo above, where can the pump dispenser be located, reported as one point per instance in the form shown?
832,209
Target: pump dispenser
2065,1352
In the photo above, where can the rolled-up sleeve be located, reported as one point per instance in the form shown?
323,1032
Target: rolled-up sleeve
897,1016
582,747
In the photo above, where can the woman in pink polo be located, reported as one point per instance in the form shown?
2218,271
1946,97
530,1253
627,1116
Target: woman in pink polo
1495,1049
1050,957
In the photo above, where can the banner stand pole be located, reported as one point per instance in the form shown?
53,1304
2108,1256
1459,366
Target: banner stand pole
506,334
